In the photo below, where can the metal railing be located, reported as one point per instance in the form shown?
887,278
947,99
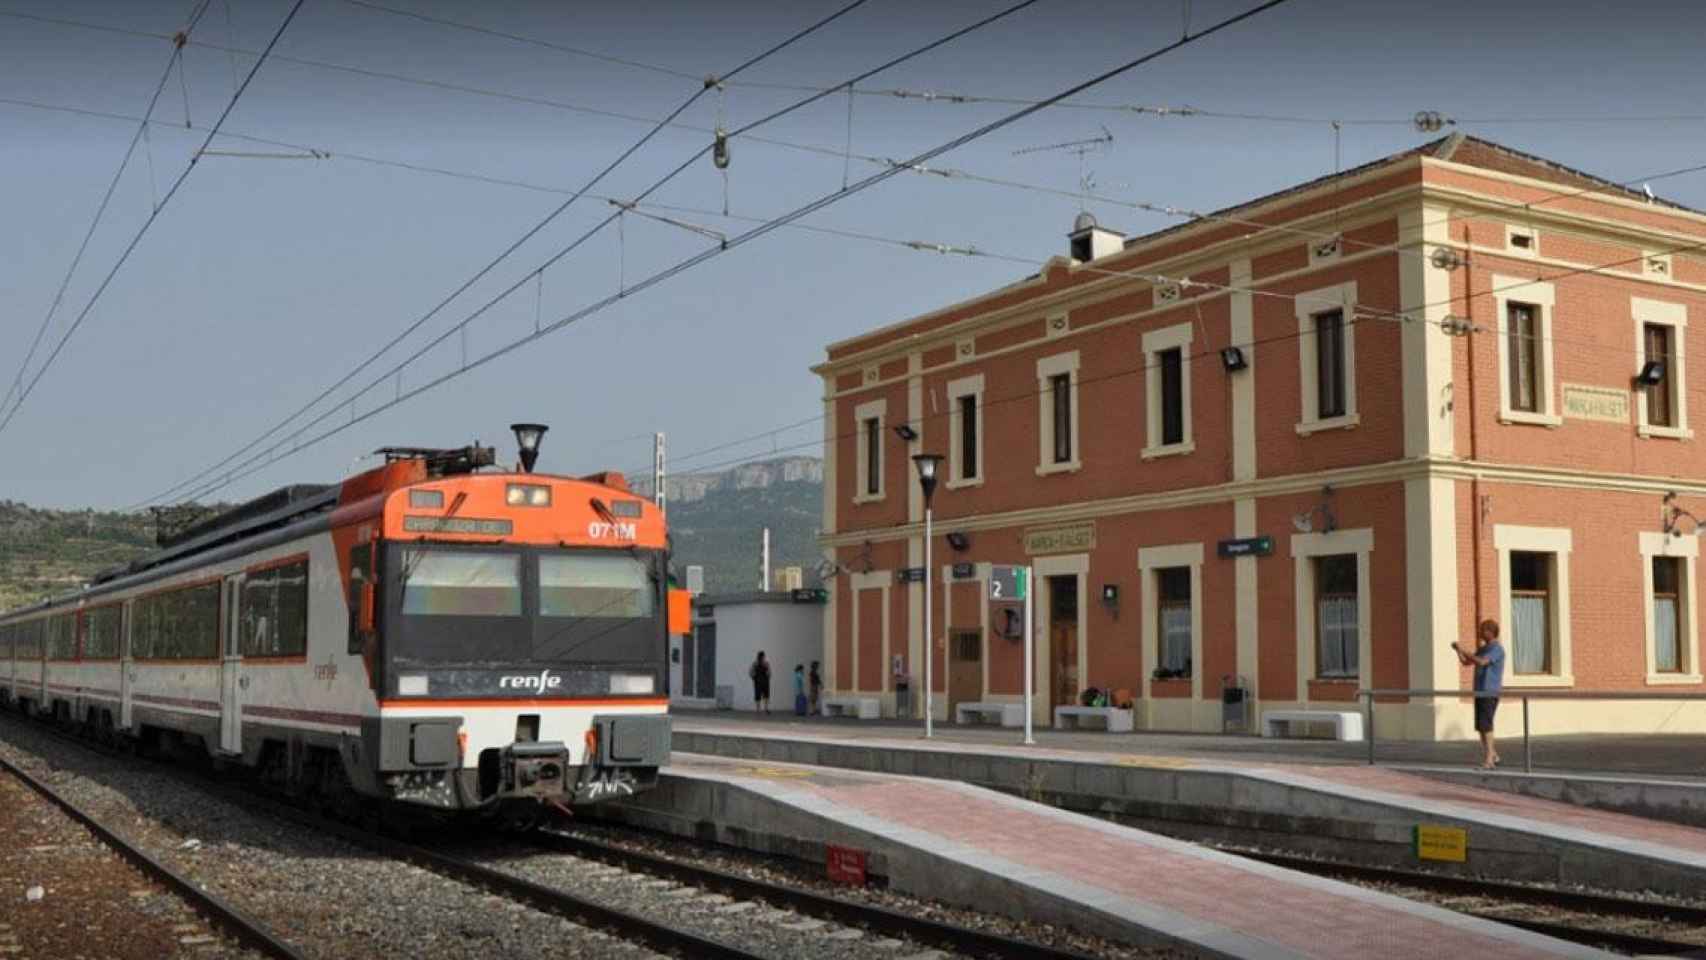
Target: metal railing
1519,693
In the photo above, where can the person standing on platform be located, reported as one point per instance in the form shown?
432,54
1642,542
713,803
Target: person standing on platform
799,689
1489,663
816,681
760,674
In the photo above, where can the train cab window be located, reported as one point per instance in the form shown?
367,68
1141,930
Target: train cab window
594,585
360,562
461,584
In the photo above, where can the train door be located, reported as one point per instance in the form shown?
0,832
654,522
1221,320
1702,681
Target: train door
231,667
126,667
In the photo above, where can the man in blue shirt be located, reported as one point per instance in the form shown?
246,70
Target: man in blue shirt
1489,662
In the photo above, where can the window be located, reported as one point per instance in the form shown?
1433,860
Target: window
1531,612
594,585
1167,388
968,437
1060,393
1523,241
1326,357
868,472
180,624
1057,396
1337,633
1667,614
967,645
1658,351
61,637
1330,364
1172,396
1527,383
965,431
273,612
1173,606
1522,352
30,639
360,572
102,628
442,583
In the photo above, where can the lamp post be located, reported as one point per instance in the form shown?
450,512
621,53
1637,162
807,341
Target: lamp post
927,464
527,437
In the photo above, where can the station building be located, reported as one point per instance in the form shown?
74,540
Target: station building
1446,385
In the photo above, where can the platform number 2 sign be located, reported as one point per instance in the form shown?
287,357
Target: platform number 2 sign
1007,584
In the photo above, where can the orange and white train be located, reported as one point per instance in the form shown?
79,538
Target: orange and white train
425,632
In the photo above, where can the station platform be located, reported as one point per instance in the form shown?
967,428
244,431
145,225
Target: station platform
980,848
1275,800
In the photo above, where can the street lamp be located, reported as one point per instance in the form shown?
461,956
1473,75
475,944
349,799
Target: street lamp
927,464
527,437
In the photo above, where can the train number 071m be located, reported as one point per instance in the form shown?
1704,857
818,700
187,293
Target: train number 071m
598,530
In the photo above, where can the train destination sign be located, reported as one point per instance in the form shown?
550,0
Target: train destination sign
1247,547
475,525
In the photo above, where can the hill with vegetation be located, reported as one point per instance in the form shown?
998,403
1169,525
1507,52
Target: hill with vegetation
48,552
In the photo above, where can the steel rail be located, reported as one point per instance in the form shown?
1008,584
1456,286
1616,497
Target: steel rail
1598,904
931,932
239,925
626,926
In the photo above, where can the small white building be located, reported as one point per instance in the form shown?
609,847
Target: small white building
708,667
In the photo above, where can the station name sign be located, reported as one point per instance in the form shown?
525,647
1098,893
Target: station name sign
1062,539
1247,547
474,525
909,575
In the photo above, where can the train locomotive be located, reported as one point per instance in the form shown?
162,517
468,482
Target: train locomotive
430,632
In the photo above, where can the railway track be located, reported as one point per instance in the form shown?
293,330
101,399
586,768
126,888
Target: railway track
1599,905
234,922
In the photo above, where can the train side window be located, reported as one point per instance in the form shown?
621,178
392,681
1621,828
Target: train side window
360,563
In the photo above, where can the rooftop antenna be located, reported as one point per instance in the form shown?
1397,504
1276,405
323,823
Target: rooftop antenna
1083,148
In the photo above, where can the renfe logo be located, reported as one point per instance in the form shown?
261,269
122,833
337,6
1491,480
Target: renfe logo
545,681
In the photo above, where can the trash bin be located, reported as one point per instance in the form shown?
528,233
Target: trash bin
1234,704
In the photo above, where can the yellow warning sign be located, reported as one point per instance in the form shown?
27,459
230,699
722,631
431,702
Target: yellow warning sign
774,773
1442,843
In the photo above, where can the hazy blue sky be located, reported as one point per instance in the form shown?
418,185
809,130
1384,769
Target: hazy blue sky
265,280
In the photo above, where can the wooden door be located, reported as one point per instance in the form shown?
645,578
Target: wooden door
965,670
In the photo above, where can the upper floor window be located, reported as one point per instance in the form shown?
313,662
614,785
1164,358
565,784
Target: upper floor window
868,469
1057,394
1326,356
1661,389
965,431
1526,380
1167,377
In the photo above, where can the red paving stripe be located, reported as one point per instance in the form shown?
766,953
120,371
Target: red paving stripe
1251,902
1406,786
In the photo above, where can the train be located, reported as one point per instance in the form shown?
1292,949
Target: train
434,632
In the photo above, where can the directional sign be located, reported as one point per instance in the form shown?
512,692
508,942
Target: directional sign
1247,547
1007,584
909,575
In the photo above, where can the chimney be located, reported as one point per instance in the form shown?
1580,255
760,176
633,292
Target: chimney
1089,241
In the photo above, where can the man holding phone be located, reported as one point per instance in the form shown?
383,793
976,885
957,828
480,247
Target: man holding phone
1489,663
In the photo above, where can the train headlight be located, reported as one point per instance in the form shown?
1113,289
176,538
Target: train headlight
527,495
412,685
632,683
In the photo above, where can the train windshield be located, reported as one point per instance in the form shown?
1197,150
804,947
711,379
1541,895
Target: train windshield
595,585
437,583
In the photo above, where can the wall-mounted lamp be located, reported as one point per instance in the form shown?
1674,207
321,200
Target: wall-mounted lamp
1305,522
1673,516
1652,374
1111,597
1232,358
958,541
905,432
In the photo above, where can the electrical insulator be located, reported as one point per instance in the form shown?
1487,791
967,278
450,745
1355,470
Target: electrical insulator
720,150
1429,121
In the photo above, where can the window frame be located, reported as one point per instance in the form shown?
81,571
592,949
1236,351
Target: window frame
271,567
1686,551
1557,541
1320,595
1150,562
1155,344
869,452
1543,297
1658,313
958,392
1060,364
1307,307
1305,549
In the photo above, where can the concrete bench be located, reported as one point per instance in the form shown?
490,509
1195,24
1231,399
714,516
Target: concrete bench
1006,714
1347,724
1113,719
862,708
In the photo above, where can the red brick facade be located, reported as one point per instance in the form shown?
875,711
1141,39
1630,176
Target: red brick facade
1448,500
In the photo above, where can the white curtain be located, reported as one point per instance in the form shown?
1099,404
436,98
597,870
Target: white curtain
1665,616
1176,637
1338,640
1529,634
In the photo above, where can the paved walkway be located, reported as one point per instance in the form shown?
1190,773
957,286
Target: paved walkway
1219,902
1673,756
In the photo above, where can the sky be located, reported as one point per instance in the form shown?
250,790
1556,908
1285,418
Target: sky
267,279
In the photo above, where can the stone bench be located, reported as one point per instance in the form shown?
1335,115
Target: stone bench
1113,719
1347,724
862,708
1006,714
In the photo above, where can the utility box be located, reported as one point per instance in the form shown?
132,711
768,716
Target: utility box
1234,705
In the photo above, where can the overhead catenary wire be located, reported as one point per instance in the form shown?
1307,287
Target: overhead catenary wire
101,208
149,222
533,231
597,228
796,214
